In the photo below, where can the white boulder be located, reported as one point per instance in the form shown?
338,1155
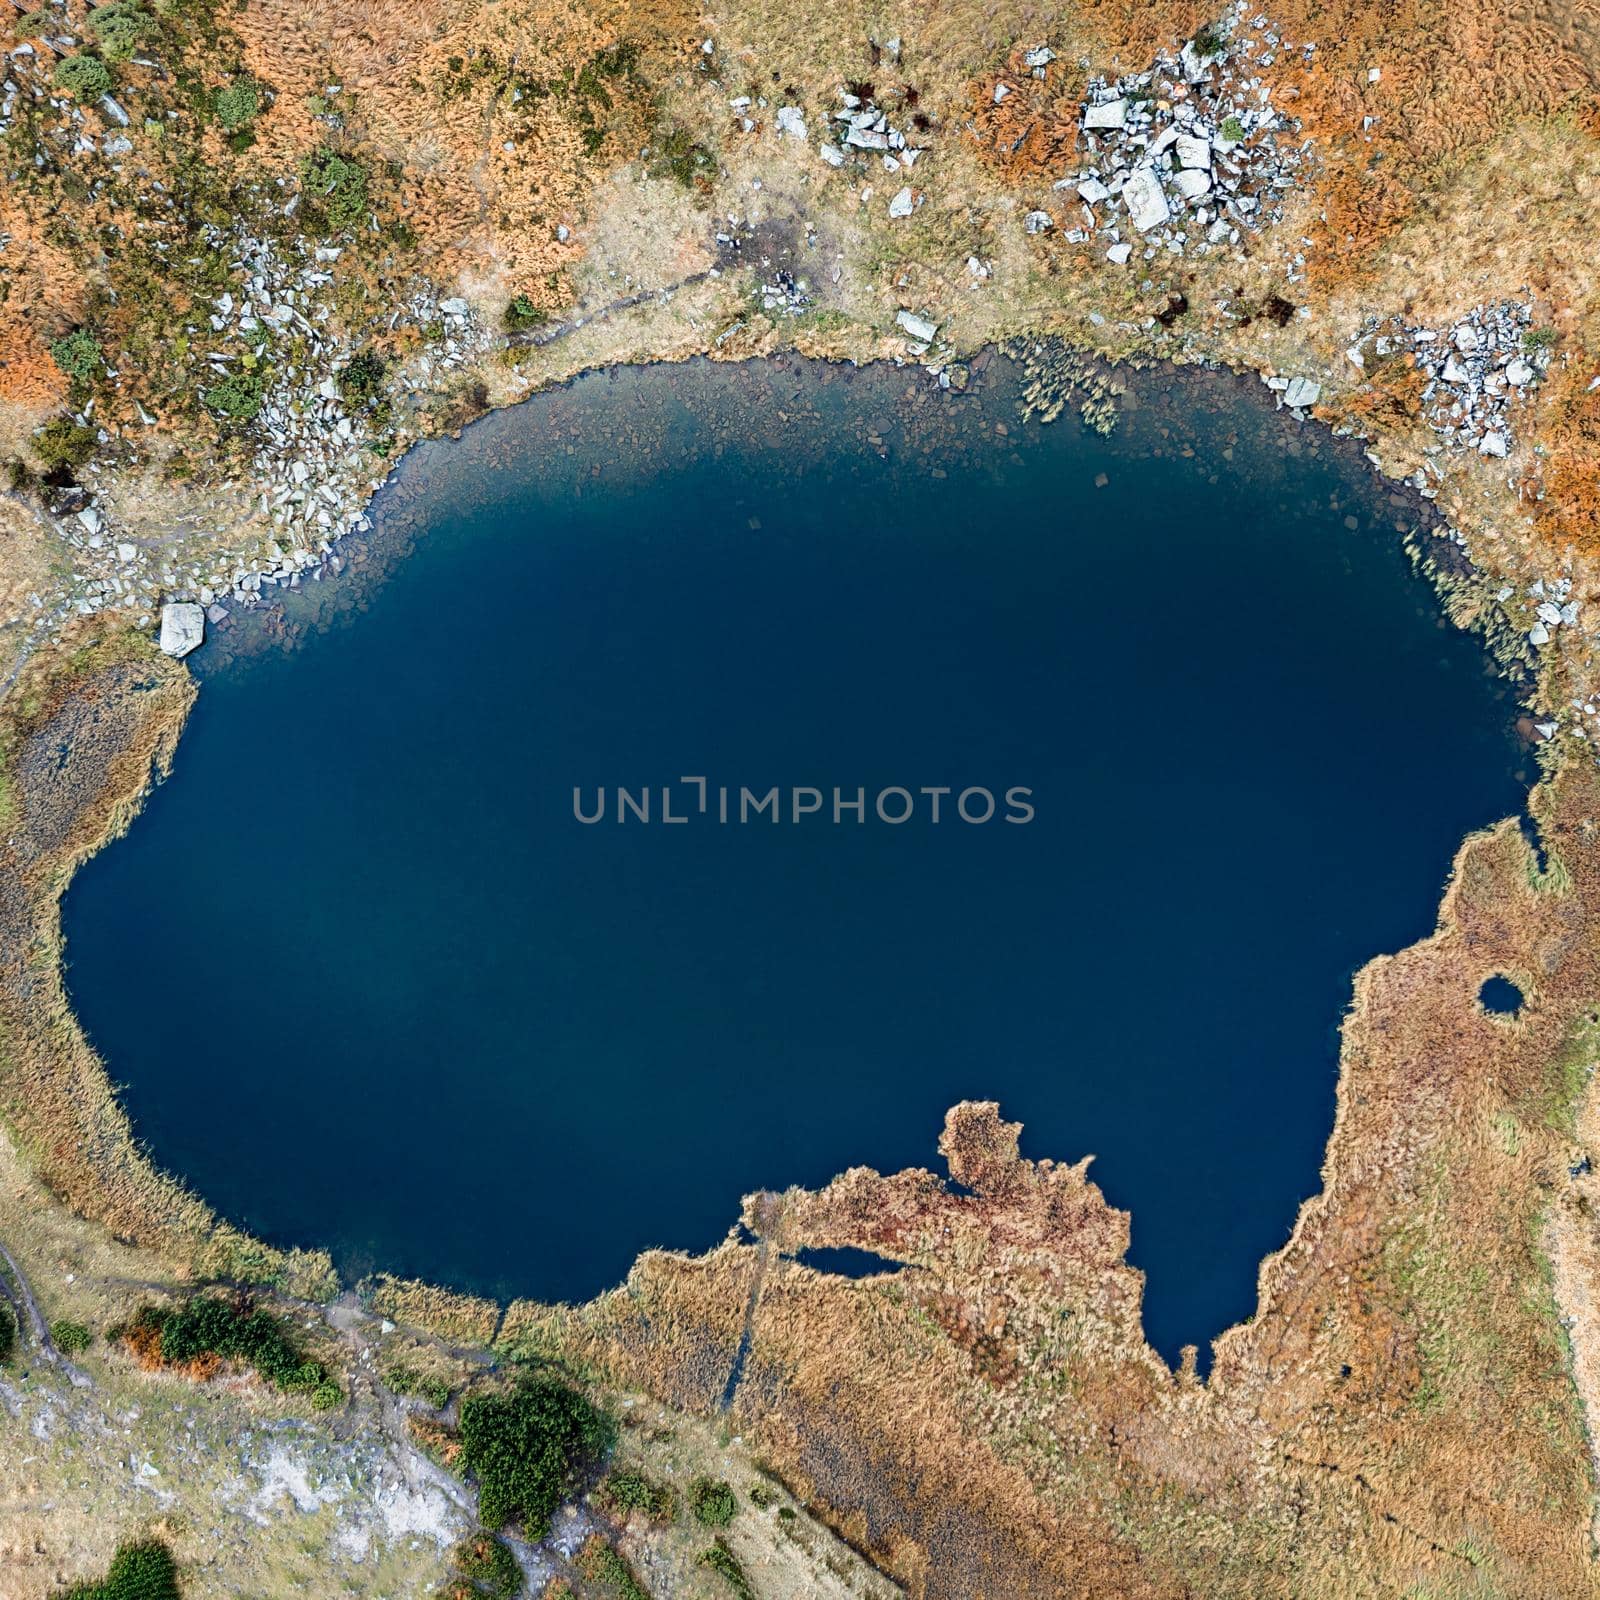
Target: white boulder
902,204
919,328
1147,205
183,628
1113,114
1300,392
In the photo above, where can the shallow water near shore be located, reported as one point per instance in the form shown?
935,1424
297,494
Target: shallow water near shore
370,984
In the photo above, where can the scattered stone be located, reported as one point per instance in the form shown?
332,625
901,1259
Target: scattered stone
902,204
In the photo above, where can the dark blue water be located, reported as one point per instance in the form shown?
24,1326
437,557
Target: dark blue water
1501,996
369,983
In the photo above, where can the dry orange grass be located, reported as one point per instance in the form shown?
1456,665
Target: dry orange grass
488,174
1570,509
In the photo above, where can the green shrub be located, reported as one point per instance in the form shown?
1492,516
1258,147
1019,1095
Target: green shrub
605,1565
31,24
1209,41
232,1330
238,396
528,1450
84,77
1232,130
712,1502
1538,339
8,1331
142,1571
71,1338
522,314
79,355
486,1567
722,1561
360,380
336,188
120,26
62,443
237,103
626,1490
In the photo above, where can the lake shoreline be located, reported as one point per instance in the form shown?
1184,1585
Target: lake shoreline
120,1189
1441,554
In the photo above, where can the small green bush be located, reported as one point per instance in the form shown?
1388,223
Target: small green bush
84,77
608,1566
71,1338
8,1331
360,380
31,24
486,1567
626,1490
237,103
722,1561
336,187
238,396
141,1571
1232,130
79,355
529,1449
62,444
1209,41
713,1502
1538,339
522,314
120,26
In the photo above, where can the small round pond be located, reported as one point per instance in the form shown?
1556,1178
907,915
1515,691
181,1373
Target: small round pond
370,983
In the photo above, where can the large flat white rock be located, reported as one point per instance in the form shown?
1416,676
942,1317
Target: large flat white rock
1113,114
183,628
1146,203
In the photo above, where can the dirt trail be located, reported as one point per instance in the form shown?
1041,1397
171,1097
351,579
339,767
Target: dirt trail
21,1296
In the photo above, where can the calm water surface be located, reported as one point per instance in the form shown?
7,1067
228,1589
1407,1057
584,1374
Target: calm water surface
369,984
